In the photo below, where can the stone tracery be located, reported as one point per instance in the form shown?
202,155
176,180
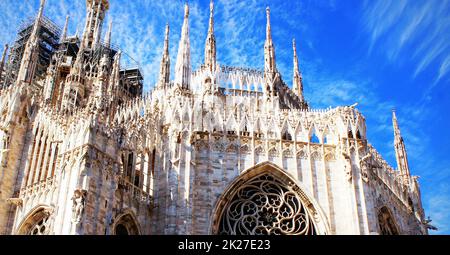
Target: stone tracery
38,223
264,205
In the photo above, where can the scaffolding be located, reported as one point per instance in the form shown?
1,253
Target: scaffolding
49,35
131,82
131,78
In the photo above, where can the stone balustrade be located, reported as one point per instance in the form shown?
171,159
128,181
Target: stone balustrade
136,192
39,187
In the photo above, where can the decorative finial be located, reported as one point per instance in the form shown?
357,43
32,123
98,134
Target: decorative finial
268,32
298,81
186,10
210,45
41,9
211,18
294,47
167,29
394,117
66,24
41,6
183,63
164,72
395,123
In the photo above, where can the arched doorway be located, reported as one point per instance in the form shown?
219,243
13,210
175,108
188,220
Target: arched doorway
37,222
387,222
265,200
126,225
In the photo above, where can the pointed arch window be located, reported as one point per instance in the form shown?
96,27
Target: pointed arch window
350,134
265,205
38,223
314,138
286,136
358,135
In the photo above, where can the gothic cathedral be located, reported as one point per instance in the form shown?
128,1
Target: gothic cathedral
218,150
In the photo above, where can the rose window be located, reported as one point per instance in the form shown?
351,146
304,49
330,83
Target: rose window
265,206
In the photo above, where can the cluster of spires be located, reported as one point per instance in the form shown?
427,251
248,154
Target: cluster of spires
91,37
183,65
183,70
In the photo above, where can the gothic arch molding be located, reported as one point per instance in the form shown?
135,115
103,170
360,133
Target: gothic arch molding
304,215
126,224
36,222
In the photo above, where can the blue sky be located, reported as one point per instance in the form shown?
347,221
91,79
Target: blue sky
381,54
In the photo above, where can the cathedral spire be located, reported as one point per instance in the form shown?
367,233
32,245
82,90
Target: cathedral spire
28,62
98,26
269,48
108,35
211,18
298,81
269,57
400,149
64,34
164,73
268,27
183,65
210,46
95,13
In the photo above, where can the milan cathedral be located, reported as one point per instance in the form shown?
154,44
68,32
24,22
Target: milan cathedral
218,150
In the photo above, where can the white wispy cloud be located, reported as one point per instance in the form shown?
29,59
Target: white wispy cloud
445,68
397,26
239,39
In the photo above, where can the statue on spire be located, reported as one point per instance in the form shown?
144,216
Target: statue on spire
269,48
183,64
270,70
298,81
210,46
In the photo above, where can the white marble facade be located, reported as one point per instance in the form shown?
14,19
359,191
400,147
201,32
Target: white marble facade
87,156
